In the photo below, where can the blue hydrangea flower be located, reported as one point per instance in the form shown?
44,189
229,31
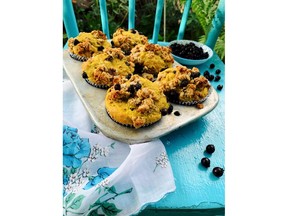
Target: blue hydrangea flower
74,147
103,173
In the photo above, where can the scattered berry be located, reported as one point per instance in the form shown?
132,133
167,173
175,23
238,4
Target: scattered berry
212,66
217,78
211,77
219,87
218,171
205,162
210,148
206,73
177,113
218,71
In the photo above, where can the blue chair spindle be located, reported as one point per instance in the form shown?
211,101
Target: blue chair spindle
104,18
131,16
69,19
157,22
184,20
217,24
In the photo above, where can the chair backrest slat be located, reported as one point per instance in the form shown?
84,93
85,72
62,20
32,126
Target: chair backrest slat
157,21
131,14
217,24
184,20
69,19
104,17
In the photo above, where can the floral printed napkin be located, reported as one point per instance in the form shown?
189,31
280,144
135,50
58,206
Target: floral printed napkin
102,176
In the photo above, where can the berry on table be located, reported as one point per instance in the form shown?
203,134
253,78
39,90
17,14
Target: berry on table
218,171
210,148
212,66
219,87
205,162
218,71
217,78
211,77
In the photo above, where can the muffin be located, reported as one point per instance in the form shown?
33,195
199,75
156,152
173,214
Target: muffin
107,68
150,59
87,44
136,103
184,86
126,40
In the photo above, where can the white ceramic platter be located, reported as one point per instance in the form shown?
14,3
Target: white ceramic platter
93,100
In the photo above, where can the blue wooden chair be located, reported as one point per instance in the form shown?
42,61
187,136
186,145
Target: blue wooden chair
196,194
217,23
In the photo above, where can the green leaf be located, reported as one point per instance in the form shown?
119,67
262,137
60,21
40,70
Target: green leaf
112,190
69,198
97,203
110,208
127,191
77,202
93,213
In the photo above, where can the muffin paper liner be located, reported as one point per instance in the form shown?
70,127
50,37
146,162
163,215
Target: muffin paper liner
96,85
77,57
130,126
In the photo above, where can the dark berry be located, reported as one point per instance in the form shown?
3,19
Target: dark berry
170,109
84,75
218,71
132,91
219,87
117,86
177,113
210,148
172,95
138,69
112,43
206,73
217,78
195,74
138,86
100,48
109,58
164,111
212,66
133,31
205,162
211,77
76,42
128,76
184,83
218,171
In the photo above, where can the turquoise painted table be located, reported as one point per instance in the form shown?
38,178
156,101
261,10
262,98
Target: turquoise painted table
198,191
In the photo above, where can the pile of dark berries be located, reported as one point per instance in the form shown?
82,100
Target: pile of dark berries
189,51
205,161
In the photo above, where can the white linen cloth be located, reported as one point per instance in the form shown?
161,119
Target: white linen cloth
102,176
